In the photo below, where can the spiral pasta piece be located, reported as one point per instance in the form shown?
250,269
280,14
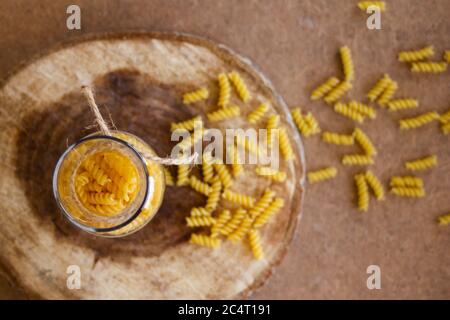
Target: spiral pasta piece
241,230
388,93
444,220
271,210
221,221
94,170
285,145
347,63
401,104
101,198
189,124
375,184
445,117
428,67
201,221
223,174
272,174
300,122
195,96
362,191
200,212
168,176
240,86
324,88
94,187
199,185
190,141
236,165
357,160
364,141
379,87
224,113
262,203
312,123
239,198
363,109
446,128
447,56
418,121
273,122
408,192
234,222
337,92
183,175
322,174
422,164
344,110
255,244
416,55
205,241
224,90
248,143
406,181
207,167
257,114
339,139
214,195
364,5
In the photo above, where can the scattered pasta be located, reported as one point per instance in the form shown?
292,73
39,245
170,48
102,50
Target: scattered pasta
362,191
207,167
224,90
307,125
204,240
418,121
168,176
262,204
322,174
239,198
255,244
200,221
195,122
422,164
271,210
223,174
234,222
337,92
199,186
447,56
363,109
388,93
375,184
364,5
223,113
239,85
401,104
241,230
183,175
200,212
272,174
406,181
347,63
364,142
195,96
408,192
444,220
446,128
214,195
379,87
357,160
339,139
416,55
257,114
221,221
324,88
285,144
344,110
429,67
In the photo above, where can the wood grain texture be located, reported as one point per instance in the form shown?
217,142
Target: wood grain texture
139,79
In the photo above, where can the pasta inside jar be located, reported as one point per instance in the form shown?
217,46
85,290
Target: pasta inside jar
105,185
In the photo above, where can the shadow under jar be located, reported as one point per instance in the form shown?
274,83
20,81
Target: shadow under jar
105,186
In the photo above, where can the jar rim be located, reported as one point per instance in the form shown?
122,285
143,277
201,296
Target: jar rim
64,210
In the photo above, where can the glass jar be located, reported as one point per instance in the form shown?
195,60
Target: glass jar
105,186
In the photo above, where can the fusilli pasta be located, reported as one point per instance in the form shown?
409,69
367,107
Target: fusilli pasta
444,220
364,5
422,164
240,86
188,124
257,114
183,175
200,221
418,121
337,92
262,203
255,244
223,113
324,88
406,181
322,174
379,87
204,240
401,104
239,198
408,192
357,160
224,90
347,63
339,139
344,110
272,209
364,142
429,67
416,55
272,174
375,184
195,96
199,186
362,191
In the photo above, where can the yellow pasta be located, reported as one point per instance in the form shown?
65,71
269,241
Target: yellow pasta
357,160
214,195
234,222
241,230
422,164
94,187
388,93
273,122
337,92
401,104
363,109
101,198
224,90
418,121
188,124
416,55
195,96
255,244
248,144
364,142
204,240
312,124
447,56
272,209
236,165
223,174
192,140
446,128
200,221
445,117
199,186
262,203
362,191
300,122
221,221
239,198
285,144
339,139
379,87
444,220
257,114
207,167
429,67
224,113
364,5
406,181
408,192
168,176
375,184
324,88
322,174
272,174
200,212
94,170
240,86
347,63
183,175
344,110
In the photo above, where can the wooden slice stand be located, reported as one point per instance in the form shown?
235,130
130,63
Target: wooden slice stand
139,80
